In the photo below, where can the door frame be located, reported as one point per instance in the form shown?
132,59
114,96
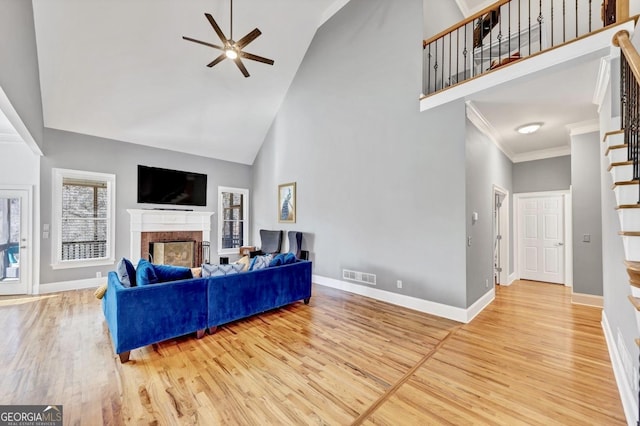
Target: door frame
505,241
568,230
28,271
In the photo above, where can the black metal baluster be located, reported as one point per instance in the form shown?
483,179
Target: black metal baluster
442,68
499,36
450,83
519,29
435,67
465,51
576,18
529,15
590,15
429,71
457,55
564,23
490,42
540,24
481,46
509,24
552,1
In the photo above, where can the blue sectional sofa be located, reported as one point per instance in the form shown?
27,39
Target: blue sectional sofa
139,316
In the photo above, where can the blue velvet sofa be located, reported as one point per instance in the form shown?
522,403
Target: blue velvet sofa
139,316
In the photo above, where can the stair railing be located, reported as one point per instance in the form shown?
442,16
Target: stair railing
508,31
630,98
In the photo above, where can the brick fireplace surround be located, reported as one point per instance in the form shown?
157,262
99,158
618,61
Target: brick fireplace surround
166,225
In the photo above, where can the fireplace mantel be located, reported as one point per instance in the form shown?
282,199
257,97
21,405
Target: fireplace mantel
165,221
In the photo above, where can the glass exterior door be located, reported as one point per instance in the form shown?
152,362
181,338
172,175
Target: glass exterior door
13,241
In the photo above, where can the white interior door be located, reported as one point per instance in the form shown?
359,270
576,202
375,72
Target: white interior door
541,239
14,259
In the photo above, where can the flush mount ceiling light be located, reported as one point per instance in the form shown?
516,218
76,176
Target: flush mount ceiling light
232,49
529,128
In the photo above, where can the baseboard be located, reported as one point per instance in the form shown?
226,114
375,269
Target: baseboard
627,395
426,306
587,299
71,285
512,278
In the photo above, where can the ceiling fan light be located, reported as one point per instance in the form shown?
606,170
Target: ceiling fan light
529,128
231,54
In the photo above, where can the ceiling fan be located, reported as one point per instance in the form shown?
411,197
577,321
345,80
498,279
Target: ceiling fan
232,49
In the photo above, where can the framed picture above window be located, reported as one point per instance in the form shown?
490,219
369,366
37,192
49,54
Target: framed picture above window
287,203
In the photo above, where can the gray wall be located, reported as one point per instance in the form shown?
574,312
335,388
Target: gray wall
550,174
439,15
486,166
586,214
88,153
380,185
19,77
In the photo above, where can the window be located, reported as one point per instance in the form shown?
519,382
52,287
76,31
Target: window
83,229
233,219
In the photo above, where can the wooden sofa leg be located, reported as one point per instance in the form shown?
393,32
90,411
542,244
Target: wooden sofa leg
124,356
213,329
306,301
200,334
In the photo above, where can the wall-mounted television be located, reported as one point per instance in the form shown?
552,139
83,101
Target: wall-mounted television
175,187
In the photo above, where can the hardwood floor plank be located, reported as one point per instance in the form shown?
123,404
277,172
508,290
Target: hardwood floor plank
530,358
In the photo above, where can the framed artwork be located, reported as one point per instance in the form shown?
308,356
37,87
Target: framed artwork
287,202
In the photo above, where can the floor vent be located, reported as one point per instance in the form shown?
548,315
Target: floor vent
361,277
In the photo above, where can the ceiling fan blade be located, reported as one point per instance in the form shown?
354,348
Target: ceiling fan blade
217,60
203,42
253,57
216,28
241,66
248,38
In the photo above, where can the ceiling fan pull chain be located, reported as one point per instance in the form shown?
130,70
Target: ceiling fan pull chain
231,21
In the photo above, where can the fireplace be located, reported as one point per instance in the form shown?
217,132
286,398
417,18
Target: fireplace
176,253
167,226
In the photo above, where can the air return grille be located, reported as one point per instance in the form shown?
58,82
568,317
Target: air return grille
361,277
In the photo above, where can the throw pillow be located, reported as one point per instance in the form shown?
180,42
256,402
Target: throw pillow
126,273
167,273
218,270
100,291
145,274
289,258
244,260
260,262
277,260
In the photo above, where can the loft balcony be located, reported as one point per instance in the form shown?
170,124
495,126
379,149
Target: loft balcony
513,38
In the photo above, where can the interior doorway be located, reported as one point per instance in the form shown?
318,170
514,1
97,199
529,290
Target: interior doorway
500,236
14,235
541,237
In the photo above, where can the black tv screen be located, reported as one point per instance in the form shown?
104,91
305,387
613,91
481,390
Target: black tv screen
164,186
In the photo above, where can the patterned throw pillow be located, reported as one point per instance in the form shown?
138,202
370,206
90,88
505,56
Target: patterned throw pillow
260,262
126,273
218,270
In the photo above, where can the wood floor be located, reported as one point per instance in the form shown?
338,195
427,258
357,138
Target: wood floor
530,358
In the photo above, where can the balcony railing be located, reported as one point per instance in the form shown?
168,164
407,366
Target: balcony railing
76,250
506,32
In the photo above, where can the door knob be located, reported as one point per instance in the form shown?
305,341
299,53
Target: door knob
560,244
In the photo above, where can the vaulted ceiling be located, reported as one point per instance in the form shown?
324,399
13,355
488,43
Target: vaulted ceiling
121,70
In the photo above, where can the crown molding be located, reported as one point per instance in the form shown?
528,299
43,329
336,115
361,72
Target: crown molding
482,124
582,127
542,154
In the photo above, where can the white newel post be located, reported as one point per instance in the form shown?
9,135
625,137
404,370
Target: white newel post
165,221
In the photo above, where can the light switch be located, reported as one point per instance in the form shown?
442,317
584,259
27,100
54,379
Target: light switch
586,238
45,226
45,235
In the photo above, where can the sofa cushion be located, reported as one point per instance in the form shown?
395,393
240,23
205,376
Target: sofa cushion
260,262
145,273
277,260
126,273
166,273
289,258
218,270
245,261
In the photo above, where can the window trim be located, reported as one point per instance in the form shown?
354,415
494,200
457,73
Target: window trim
58,176
245,214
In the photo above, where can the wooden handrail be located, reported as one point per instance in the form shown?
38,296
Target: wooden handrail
461,24
621,39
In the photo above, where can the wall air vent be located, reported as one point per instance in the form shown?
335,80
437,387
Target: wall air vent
361,277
